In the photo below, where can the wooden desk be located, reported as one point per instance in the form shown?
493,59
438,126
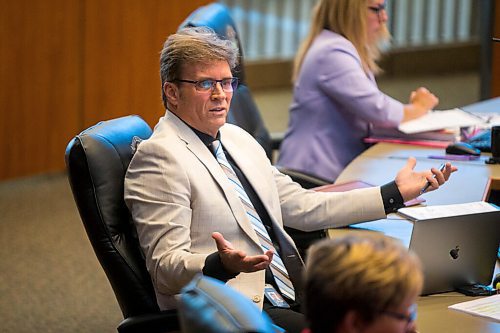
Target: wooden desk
435,317
379,165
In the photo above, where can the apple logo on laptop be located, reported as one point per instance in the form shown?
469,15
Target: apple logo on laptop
454,252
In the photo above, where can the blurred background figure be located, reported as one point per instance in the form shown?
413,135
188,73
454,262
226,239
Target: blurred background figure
336,99
366,283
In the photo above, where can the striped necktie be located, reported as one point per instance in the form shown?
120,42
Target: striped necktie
277,267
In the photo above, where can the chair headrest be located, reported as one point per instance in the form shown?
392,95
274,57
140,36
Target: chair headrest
120,135
217,17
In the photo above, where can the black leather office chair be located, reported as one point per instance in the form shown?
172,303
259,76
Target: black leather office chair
245,113
97,160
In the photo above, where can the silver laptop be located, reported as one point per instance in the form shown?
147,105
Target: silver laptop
457,251
454,251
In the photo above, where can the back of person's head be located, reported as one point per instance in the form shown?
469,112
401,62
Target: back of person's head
367,274
193,45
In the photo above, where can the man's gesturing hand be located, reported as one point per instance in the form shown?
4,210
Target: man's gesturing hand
236,261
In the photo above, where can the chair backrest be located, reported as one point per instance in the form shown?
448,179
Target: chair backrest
243,111
97,160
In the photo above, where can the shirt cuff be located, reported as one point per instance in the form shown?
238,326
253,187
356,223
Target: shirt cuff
215,268
391,197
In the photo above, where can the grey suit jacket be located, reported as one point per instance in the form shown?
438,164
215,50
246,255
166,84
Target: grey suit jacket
178,195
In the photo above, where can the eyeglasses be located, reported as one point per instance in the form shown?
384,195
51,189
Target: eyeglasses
377,9
208,85
408,318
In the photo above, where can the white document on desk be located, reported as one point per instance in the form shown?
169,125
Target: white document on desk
439,211
488,307
436,120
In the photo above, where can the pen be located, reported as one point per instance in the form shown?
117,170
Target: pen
454,157
441,168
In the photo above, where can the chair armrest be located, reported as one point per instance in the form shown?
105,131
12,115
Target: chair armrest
159,322
304,239
304,179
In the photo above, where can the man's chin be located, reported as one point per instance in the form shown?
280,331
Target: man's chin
218,116
218,122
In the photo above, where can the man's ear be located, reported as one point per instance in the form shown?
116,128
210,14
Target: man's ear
352,322
172,93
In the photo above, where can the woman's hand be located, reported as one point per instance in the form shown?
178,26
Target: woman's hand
421,101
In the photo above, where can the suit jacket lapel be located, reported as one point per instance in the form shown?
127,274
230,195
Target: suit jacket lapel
251,172
196,146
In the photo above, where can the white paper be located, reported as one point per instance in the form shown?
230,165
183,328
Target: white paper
432,212
485,307
436,120
490,118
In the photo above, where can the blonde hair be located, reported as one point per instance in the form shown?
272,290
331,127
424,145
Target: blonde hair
346,18
368,274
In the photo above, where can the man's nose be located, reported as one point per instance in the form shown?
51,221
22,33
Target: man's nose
217,91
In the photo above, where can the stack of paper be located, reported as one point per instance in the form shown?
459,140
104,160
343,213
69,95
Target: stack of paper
488,307
439,211
450,135
437,120
437,129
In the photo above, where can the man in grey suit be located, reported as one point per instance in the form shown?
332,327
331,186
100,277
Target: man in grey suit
203,206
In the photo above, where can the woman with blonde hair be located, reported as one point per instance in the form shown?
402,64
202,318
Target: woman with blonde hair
366,283
336,99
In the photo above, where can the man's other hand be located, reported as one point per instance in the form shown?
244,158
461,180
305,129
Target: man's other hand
410,182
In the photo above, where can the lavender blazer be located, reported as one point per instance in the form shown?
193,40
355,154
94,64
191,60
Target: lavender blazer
334,104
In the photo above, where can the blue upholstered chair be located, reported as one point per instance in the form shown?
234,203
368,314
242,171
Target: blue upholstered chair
208,305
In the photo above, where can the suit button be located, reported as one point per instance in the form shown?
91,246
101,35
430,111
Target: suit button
256,299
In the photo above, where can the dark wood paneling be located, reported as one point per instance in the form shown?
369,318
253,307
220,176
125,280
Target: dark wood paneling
123,41
269,74
39,57
435,59
400,62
